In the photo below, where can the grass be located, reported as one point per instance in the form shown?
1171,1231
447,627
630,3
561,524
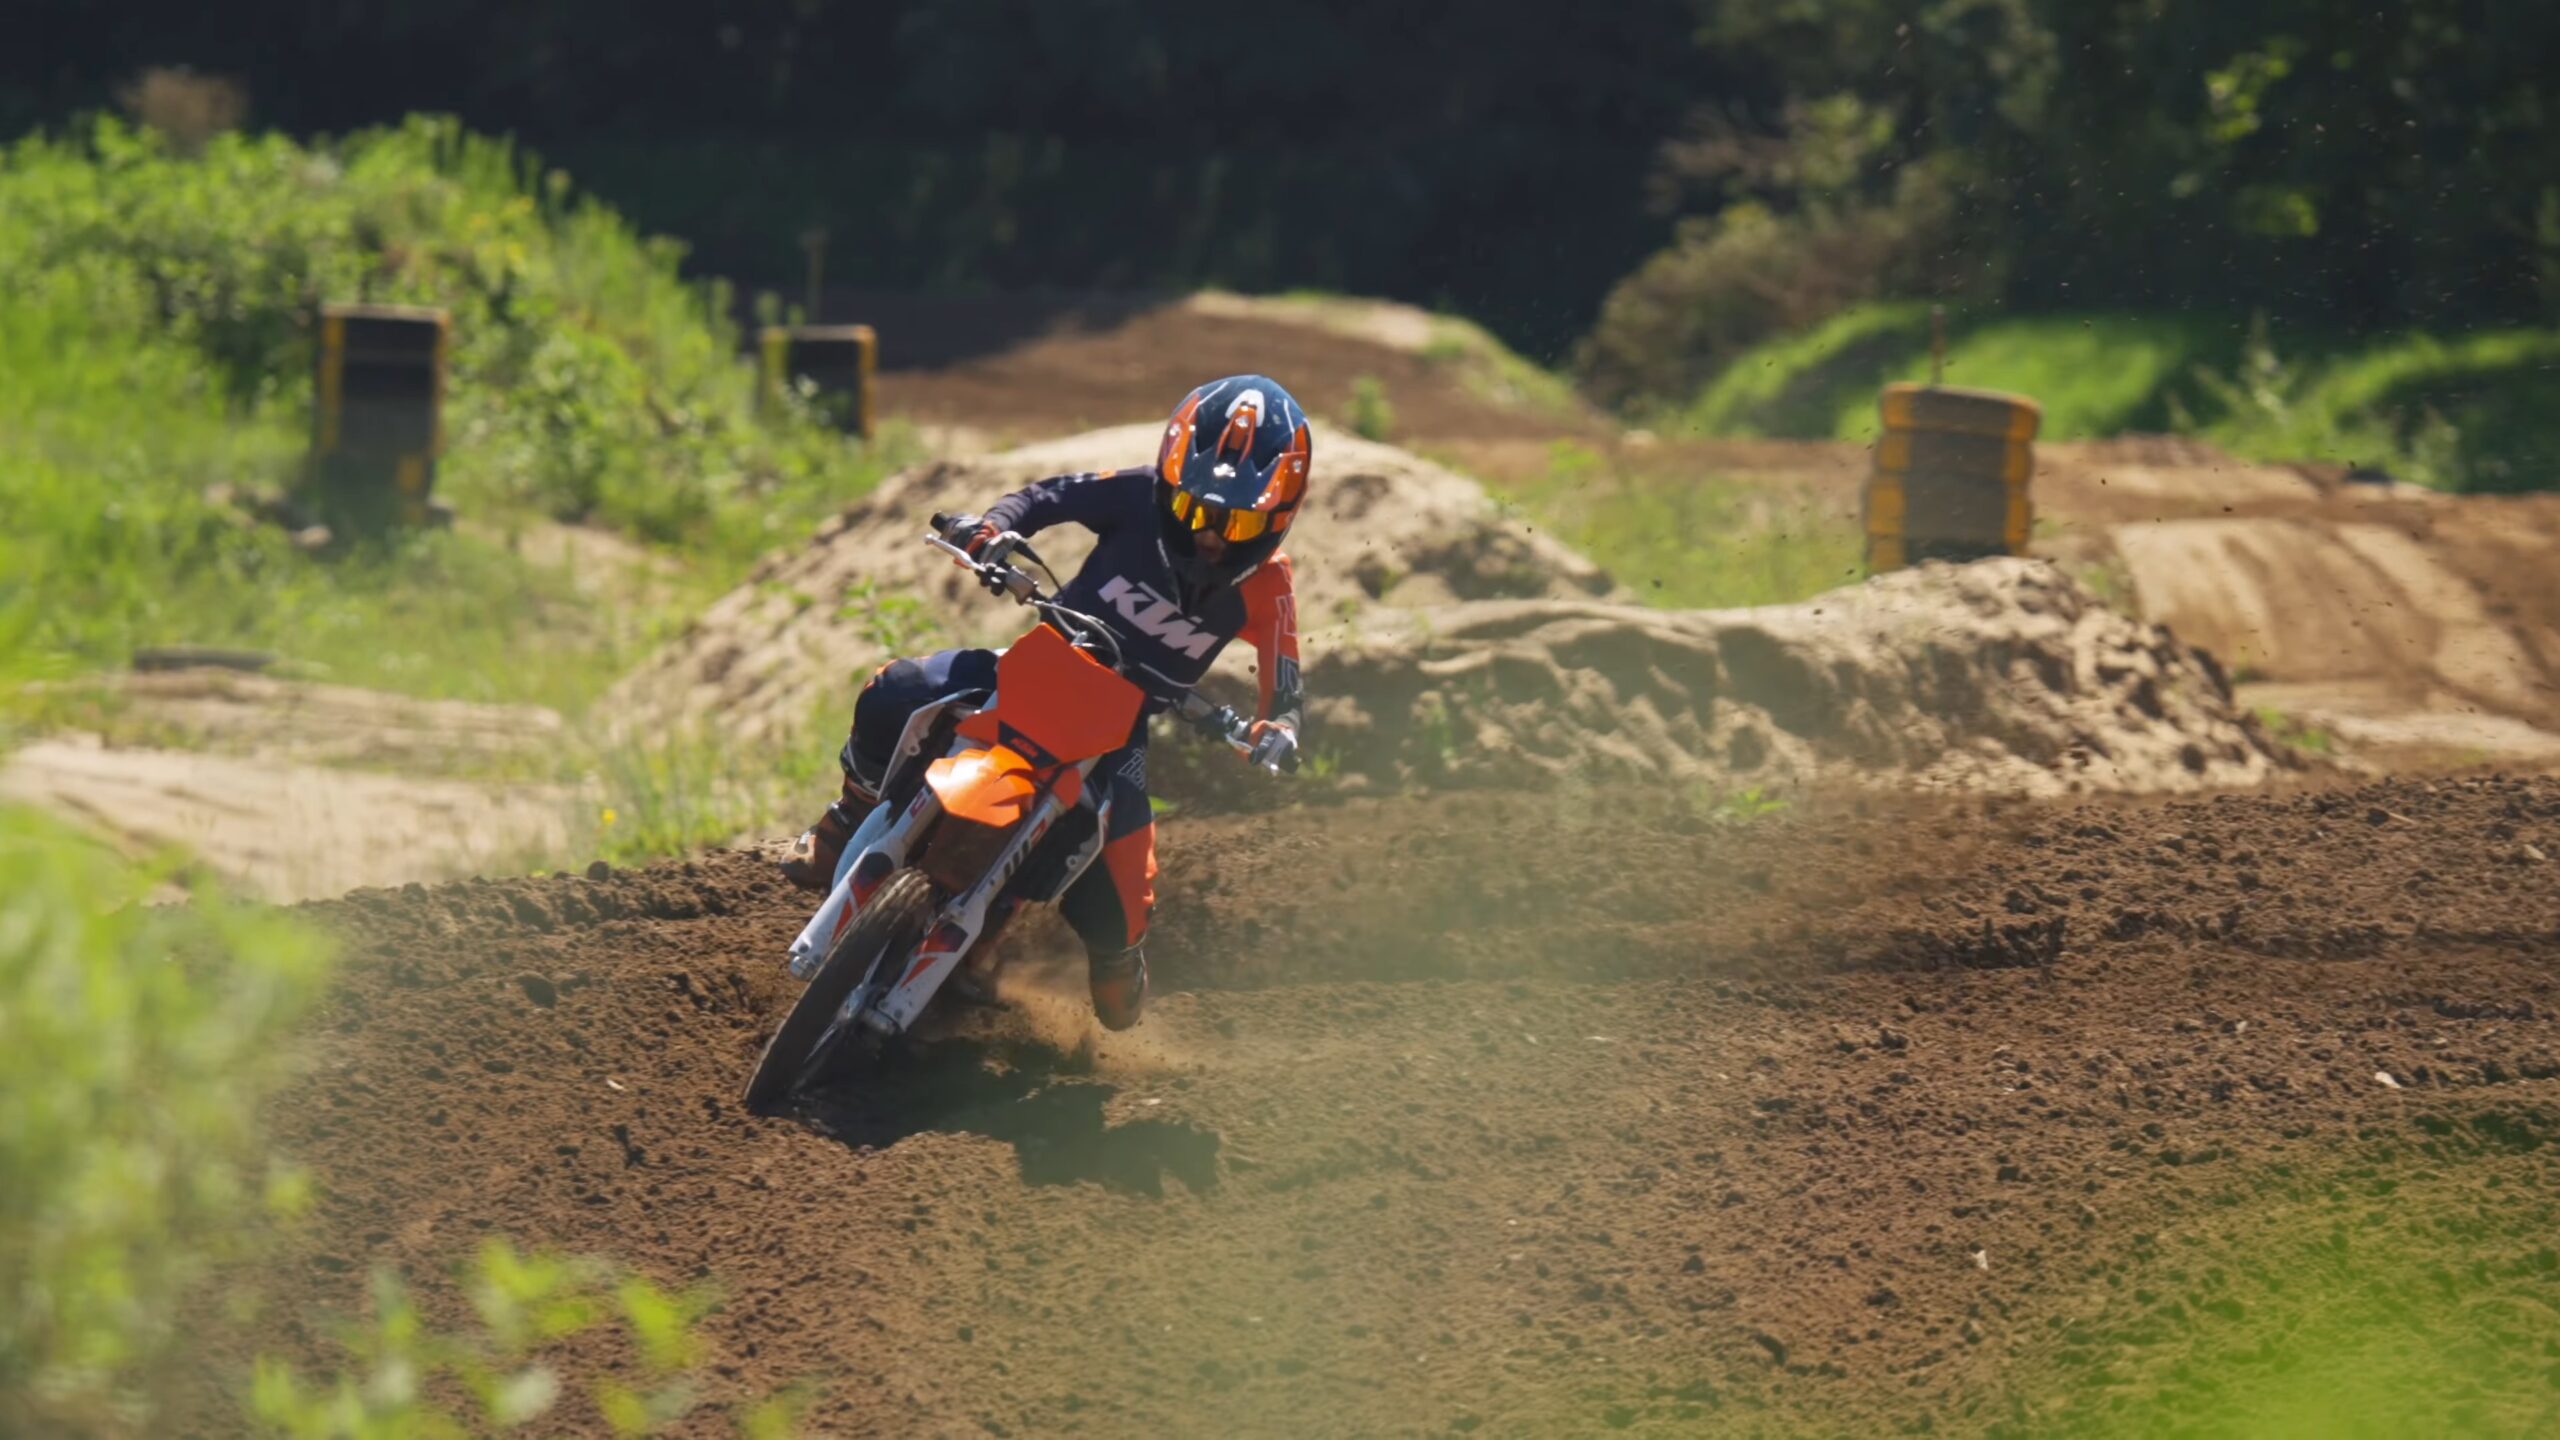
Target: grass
2466,413
2094,375
1690,542
1792,388
2472,413
154,345
667,795
2301,734
1482,364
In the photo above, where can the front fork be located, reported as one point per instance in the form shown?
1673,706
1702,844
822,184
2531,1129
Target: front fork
878,848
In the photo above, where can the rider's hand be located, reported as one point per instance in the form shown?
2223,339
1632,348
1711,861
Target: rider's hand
1275,745
971,534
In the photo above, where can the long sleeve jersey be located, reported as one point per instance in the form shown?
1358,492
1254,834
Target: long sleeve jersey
1128,581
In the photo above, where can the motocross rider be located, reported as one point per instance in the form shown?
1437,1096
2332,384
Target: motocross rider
1186,558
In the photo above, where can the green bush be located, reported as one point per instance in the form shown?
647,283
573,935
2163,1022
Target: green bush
109,440
136,1044
1726,284
1371,417
2471,414
588,378
155,343
1801,231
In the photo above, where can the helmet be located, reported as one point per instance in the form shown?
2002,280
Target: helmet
1233,459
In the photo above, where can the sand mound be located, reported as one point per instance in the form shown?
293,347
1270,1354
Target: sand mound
291,790
1386,529
208,708
2001,676
286,831
2304,600
1448,646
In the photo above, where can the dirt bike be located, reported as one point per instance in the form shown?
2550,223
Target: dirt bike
985,807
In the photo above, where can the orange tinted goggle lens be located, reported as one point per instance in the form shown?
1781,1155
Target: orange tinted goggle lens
1235,525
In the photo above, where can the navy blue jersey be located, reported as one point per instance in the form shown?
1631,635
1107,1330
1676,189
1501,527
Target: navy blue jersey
1128,581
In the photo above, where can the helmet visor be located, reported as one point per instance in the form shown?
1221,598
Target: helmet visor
1237,526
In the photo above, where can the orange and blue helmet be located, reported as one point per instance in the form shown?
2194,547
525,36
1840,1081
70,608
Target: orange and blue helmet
1234,459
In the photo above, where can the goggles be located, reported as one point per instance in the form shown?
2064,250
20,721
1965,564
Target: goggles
1236,525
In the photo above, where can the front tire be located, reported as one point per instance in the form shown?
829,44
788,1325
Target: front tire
890,927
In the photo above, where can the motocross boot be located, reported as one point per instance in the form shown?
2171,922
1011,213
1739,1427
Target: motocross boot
811,863
1119,981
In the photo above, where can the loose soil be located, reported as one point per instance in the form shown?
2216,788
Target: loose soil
1531,1115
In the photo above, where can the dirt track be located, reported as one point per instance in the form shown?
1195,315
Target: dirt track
1869,1117
1014,374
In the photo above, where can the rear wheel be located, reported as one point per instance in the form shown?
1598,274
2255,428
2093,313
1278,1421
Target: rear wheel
889,928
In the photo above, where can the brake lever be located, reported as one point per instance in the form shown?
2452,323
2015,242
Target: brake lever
1000,579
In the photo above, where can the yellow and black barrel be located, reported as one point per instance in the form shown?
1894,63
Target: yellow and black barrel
378,421
838,361
1951,477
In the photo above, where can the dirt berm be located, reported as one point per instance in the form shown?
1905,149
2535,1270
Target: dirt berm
1449,644
1530,1115
2003,675
1384,528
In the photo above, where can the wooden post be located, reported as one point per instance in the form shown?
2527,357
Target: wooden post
813,242
377,421
838,360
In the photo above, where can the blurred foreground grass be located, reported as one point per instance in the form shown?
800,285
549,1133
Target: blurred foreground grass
136,1045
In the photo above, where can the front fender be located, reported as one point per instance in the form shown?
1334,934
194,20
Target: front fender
996,785
993,786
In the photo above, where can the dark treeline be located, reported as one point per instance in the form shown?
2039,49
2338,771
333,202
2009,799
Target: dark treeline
1486,155
2357,164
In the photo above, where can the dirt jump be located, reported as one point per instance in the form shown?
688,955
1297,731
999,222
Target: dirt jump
1450,643
1521,1115
1008,370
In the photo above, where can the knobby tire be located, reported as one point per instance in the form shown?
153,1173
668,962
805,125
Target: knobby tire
893,923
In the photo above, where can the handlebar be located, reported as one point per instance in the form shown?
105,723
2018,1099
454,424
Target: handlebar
1214,721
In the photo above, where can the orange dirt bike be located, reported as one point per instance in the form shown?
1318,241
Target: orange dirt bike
985,807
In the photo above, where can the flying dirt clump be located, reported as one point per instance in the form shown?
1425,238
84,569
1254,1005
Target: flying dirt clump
2003,676
1384,529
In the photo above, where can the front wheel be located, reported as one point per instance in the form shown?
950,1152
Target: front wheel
890,927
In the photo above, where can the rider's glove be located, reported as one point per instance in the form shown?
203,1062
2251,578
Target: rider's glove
1275,745
971,534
